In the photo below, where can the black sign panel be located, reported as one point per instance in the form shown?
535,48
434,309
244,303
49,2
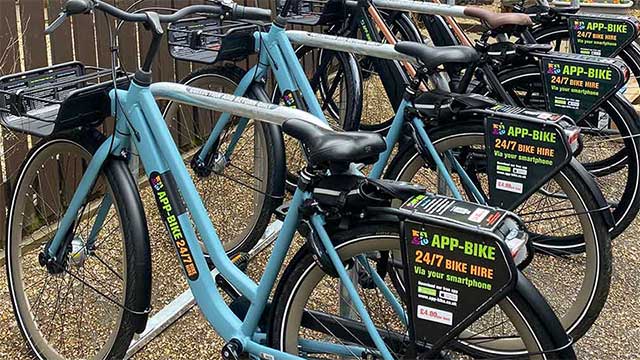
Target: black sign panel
453,276
575,85
601,34
522,155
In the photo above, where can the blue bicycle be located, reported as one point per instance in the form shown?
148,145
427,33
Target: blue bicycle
441,142
80,267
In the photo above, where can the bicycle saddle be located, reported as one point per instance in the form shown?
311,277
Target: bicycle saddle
432,57
328,147
546,11
495,20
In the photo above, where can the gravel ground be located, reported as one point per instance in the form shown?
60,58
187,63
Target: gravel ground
613,336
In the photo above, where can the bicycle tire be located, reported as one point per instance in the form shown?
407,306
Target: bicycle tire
291,297
267,160
404,29
136,250
596,245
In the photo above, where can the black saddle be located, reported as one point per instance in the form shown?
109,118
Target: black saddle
433,57
325,147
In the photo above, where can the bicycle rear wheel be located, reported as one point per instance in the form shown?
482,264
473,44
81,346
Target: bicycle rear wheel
573,261
250,174
311,309
610,143
85,308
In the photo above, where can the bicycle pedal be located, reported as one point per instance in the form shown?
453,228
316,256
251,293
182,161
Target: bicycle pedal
233,351
227,287
241,260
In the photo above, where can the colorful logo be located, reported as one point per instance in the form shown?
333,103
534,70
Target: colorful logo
554,69
289,100
578,25
156,182
499,129
419,237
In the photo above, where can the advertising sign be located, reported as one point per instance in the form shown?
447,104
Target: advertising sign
522,155
601,34
575,85
453,275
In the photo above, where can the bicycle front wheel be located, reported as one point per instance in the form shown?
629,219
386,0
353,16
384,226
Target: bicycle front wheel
311,314
91,305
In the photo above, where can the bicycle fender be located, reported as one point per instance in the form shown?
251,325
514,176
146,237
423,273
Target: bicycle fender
547,316
141,302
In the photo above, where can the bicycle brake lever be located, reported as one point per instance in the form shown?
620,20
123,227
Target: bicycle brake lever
54,25
227,5
71,7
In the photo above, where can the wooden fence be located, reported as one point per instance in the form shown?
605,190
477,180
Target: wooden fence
85,38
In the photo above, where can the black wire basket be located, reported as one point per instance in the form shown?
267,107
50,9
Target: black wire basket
47,101
314,12
210,39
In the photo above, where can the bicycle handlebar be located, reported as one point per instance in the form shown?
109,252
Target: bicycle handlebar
240,12
229,8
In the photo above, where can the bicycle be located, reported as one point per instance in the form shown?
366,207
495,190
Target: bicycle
512,73
550,26
522,85
611,122
139,124
580,205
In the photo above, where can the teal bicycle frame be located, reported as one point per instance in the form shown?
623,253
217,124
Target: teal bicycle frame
146,130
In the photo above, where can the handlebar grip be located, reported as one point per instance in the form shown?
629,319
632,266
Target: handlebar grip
76,7
250,13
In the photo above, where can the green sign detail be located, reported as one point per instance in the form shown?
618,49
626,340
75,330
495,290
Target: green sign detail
575,85
427,291
522,152
601,35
